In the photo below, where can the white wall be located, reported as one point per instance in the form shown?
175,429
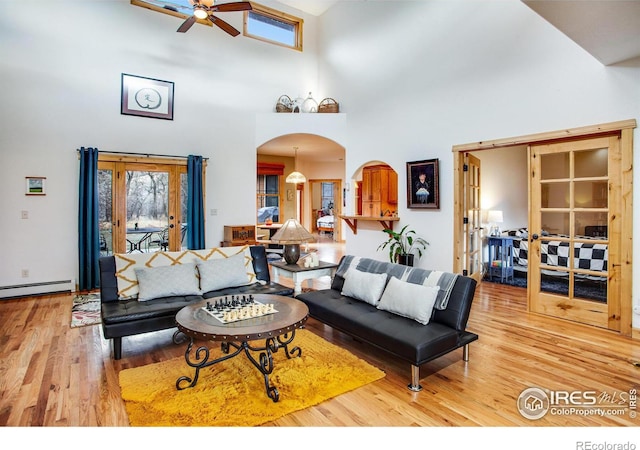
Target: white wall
61,74
504,184
417,78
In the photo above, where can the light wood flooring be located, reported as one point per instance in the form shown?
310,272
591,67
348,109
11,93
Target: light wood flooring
53,375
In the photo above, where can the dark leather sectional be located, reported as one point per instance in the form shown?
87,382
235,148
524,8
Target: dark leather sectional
122,318
405,338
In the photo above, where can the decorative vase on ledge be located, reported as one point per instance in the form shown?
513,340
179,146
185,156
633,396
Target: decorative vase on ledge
309,105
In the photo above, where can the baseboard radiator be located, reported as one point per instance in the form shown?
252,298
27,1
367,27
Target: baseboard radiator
47,287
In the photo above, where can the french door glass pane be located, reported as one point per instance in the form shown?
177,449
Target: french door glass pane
554,282
555,195
183,210
591,163
105,211
554,166
554,223
147,195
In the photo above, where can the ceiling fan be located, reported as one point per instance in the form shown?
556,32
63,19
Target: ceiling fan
204,9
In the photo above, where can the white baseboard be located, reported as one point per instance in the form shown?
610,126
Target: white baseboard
46,287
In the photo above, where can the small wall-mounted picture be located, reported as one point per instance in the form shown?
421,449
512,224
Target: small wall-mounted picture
147,97
423,190
35,186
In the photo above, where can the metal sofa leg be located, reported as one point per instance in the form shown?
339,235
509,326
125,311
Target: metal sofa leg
415,379
117,348
465,353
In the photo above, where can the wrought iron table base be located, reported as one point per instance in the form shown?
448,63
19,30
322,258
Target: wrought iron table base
264,362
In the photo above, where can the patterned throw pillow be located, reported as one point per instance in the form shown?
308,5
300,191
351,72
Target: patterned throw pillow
364,286
126,264
222,273
413,301
167,281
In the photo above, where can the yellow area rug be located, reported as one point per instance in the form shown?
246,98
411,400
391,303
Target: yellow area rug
232,392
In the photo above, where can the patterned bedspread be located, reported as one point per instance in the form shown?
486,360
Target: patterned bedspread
586,255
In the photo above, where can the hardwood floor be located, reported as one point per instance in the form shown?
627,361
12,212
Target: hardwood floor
53,375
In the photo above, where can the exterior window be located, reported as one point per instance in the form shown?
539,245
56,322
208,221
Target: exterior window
268,198
273,26
327,196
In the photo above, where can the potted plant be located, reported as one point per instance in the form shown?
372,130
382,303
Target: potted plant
403,245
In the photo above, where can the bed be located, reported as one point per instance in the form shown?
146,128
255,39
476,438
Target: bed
325,222
592,256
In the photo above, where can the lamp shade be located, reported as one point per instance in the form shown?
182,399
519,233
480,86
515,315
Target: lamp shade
292,232
296,178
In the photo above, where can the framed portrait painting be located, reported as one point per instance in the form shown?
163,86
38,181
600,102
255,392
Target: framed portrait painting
147,97
423,186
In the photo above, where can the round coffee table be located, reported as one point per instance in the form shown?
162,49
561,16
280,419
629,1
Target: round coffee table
277,329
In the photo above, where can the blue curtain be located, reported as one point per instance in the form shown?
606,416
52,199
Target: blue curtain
88,235
195,206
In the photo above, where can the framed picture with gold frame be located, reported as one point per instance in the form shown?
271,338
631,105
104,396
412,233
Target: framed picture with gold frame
423,185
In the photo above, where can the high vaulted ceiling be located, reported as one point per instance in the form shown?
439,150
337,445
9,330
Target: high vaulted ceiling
607,29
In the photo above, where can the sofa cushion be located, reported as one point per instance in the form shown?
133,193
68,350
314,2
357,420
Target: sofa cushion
220,273
413,301
166,281
364,286
444,280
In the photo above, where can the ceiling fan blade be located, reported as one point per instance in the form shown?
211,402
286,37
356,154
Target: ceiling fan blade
187,24
235,6
223,25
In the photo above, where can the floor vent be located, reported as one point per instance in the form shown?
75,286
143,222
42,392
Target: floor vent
47,287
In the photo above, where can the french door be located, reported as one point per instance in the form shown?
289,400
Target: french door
573,224
473,219
142,204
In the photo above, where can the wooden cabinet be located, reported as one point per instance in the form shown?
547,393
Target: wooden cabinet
379,191
239,235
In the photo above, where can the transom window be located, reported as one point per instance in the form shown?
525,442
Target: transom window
262,23
273,26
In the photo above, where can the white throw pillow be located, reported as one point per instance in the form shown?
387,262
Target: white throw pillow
410,300
167,281
222,273
364,286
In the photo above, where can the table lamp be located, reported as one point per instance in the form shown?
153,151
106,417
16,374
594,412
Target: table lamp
494,217
291,234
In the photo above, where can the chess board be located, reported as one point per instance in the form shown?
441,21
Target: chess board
228,311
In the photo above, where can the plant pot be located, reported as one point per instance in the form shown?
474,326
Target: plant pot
406,260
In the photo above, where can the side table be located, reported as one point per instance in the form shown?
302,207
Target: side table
500,257
300,273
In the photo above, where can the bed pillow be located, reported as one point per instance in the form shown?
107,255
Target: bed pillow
222,273
364,286
167,281
410,300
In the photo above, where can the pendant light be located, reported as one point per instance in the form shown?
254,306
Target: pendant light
295,177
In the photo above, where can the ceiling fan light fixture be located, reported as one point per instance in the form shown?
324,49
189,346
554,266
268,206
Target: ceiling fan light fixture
200,13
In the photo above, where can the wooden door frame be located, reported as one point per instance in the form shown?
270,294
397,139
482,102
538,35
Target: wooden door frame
174,166
624,129
337,202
